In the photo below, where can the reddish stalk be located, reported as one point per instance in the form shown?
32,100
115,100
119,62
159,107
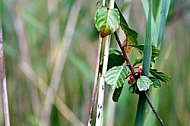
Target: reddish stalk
3,82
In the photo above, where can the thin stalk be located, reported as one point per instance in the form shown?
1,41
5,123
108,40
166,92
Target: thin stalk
124,54
95,88
100,104
141,107
153,109
3,82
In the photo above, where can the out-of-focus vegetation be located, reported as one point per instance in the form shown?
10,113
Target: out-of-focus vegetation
54,43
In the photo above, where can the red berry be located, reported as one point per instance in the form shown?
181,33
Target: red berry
132,78
130,81
140,71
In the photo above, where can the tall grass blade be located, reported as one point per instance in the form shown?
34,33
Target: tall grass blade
161,19
154,30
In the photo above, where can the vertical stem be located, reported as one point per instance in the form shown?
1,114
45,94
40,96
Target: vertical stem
141,107
100,105
95,88
3,82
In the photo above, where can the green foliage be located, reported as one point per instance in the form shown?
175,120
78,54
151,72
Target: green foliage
143,83
141,107
114,59
156,82
155,50
134,89
117,93
125,27
160,75
131,35
106,20
116,76
74,82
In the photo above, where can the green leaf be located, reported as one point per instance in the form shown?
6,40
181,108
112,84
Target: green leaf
113,60
143,83
115,50
107,20
156,83
116,76
160,75
117,94
125,27
131,35
155,50
133,89
138,60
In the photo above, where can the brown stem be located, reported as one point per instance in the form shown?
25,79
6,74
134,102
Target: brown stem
153,109
124,54
95,88
132,71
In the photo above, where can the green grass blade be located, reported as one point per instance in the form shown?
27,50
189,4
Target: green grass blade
161,19
154,30
140,115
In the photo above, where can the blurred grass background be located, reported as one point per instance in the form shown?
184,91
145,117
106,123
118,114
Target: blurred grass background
54,43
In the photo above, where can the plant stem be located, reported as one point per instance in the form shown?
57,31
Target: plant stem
95,88
124,54
100,104
153,109
143,95
3,82
141,107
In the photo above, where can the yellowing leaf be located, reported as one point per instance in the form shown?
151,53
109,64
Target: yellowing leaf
127,44
107,20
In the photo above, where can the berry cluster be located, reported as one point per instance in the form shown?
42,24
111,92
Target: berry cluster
135,76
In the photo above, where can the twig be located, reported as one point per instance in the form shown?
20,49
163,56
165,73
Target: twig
153,109
124,54
132,71
95,88
3,82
